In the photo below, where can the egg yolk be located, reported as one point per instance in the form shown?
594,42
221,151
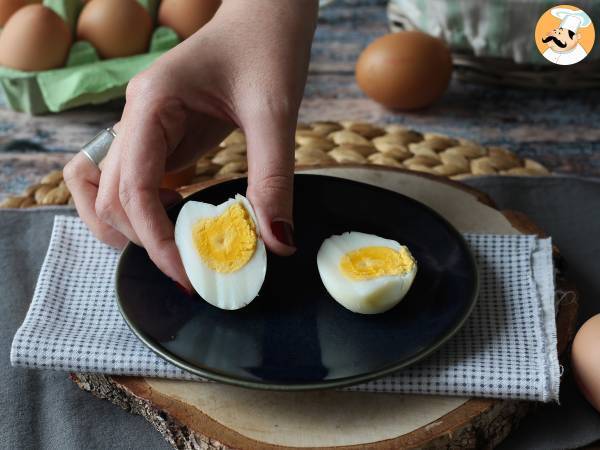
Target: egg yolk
226,242
371,262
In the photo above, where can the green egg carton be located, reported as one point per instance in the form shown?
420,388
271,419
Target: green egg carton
85,79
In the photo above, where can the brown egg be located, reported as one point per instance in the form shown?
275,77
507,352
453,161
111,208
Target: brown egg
34,38
173,180
585,360
405,70
9,7
115,28
186,16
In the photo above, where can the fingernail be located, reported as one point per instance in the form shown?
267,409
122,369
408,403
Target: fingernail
284,232
183,289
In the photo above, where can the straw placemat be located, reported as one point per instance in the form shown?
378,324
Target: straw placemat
320,143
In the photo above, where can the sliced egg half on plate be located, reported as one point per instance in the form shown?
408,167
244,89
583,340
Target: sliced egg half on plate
222,251
365,273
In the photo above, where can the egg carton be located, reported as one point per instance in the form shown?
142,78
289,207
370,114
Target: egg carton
86,79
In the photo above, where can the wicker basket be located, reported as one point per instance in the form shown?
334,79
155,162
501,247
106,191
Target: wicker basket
326,143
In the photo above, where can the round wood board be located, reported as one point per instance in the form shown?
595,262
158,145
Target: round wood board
208,415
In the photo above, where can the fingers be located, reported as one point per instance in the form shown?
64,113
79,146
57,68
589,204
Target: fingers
107,205
271,181
145,145
82,178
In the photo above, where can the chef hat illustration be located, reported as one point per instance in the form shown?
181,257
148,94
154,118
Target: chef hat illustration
570,19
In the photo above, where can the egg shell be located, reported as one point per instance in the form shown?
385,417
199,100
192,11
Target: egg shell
34,38
372,296
405,70
9,7
585,360
224,290
116,28
186,17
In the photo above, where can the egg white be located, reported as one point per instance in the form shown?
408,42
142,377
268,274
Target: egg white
232,290
371,296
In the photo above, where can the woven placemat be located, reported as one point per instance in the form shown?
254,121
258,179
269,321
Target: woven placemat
320,143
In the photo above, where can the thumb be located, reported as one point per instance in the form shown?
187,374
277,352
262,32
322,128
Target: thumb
271,182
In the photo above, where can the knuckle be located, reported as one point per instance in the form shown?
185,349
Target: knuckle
103,208
152,87
69,172
272,185
281,109
128,192
141,84
109,236
75,169
152,93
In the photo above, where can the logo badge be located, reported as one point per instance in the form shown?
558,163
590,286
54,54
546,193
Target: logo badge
564,35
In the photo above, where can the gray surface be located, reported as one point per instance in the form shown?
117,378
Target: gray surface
43,409
46,410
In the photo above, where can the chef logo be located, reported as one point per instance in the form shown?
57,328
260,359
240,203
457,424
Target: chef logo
564,35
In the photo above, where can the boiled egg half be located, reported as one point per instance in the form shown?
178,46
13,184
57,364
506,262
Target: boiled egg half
222,251
365,273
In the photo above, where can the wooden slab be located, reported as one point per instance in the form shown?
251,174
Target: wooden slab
208,415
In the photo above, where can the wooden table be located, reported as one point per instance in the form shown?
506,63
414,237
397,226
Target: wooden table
558,129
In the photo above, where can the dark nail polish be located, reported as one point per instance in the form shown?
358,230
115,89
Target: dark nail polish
284,232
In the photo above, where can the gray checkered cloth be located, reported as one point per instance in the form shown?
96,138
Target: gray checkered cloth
507,348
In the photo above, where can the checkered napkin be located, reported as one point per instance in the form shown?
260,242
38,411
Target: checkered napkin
506,349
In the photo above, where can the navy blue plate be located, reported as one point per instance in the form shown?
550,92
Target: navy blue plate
294,336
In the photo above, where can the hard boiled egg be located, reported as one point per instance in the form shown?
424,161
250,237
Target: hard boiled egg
222,251
365,273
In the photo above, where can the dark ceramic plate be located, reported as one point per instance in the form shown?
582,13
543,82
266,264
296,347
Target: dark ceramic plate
294,335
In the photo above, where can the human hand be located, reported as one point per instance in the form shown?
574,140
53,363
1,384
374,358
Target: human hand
247,68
